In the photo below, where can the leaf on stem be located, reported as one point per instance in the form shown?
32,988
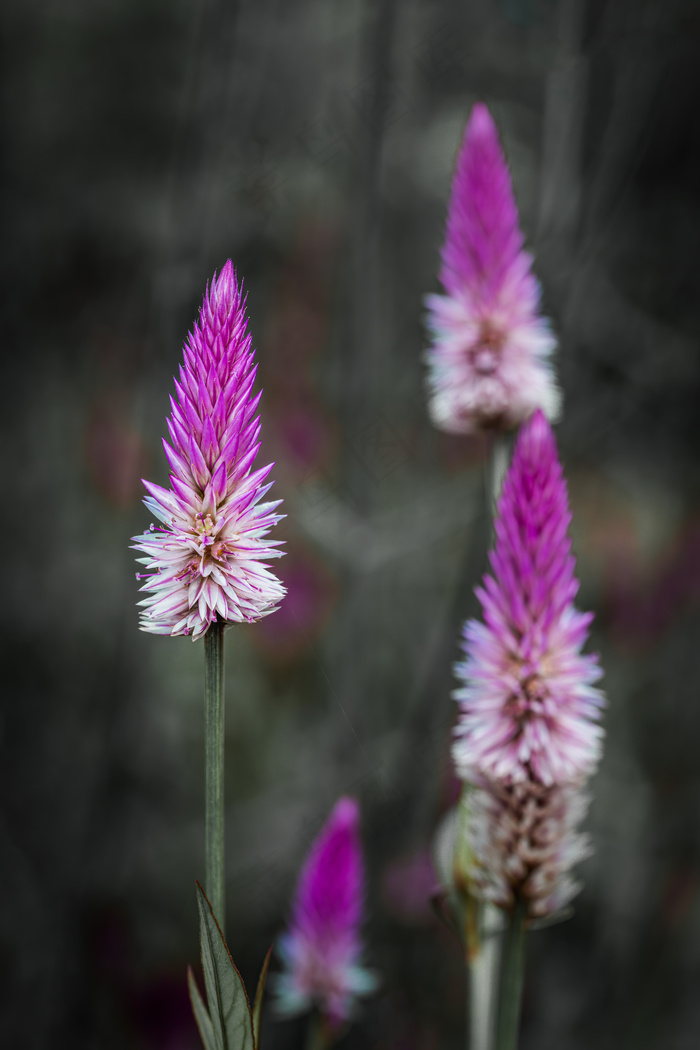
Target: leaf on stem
443,909
453,860
257,1007
229,1016
201,1016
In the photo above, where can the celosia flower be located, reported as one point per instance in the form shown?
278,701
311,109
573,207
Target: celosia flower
321,950
524,841
489,360
528,707
207,562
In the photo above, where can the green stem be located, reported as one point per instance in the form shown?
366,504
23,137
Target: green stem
316,1032
483,935
483,978
512,979
498,465
214,879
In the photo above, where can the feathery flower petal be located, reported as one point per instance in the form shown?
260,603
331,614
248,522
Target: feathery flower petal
524,841
489,359
207,562
528,706
321,950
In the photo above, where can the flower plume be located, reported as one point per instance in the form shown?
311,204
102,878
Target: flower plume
528,706
321,950
207,561
489,359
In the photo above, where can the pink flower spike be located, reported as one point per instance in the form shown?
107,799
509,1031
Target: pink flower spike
321,950
528,706
489,359
208,561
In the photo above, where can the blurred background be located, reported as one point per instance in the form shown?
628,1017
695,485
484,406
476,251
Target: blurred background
312,141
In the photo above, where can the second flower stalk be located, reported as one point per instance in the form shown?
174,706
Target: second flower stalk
206,563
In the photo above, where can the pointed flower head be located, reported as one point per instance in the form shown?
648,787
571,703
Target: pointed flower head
524,841
206,561
322,947
528,706
489,359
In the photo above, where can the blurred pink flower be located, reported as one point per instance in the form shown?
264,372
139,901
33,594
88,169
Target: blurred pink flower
489,360
643,604
408,883
207,563
311,593
321,950
528,707
114,452
302,436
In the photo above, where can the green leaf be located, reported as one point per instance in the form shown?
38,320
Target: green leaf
448,909
201,1016
454,865
257,1007
463,862
229,1009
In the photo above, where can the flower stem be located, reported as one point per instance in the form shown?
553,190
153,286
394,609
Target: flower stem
497,467
214,770
481,966
484,953
316,1032
511,979
483,978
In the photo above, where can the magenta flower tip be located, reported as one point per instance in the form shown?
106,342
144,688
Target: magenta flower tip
489,359
529,710
208,561
322,947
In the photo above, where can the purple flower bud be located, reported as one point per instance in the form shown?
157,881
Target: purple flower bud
208,561
489,360
322,948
